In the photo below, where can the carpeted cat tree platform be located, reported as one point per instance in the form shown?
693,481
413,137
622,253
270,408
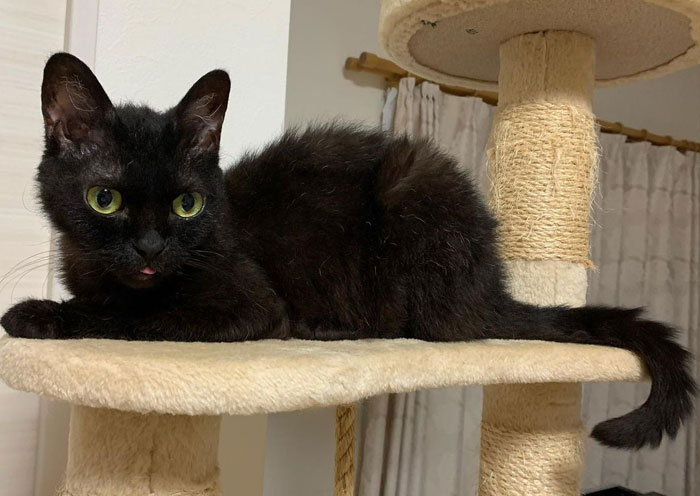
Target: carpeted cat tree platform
145,419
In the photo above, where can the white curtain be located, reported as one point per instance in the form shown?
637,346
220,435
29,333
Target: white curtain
645,242
646,246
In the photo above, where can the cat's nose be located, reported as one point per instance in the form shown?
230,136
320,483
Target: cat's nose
149,245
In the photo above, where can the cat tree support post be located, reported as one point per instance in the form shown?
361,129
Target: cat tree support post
112,452
542,158
344,480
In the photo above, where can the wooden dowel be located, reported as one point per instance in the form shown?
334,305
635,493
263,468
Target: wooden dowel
392,73
354,64
644,135
371,61
490,97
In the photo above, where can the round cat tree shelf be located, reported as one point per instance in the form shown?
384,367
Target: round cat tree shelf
145,418
457,42
545,57
277,376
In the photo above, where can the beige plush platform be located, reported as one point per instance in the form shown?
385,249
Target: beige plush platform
457,41
274,376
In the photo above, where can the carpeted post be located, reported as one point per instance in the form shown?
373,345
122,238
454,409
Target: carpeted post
115,453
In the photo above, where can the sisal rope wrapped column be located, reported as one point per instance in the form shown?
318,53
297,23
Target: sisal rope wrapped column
115,453
344,451
542,158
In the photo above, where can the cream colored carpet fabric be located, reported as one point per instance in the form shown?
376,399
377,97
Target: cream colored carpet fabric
646,244
276,376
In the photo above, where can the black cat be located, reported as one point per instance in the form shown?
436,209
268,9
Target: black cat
331,233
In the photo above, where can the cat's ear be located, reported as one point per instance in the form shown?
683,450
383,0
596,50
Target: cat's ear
74,105
200,114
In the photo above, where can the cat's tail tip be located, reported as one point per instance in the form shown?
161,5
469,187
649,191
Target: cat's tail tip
672,396
638,429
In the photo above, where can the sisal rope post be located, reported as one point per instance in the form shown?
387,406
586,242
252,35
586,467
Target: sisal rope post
542,159
344,450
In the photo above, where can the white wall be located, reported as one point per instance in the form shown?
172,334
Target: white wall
29,32
300,453
153,51
322,34
668,105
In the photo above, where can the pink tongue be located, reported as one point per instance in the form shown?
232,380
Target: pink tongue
148,271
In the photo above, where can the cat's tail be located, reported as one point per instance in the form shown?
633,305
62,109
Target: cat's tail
673,388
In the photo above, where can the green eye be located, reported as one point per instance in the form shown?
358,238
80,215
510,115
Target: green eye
104,200
188,205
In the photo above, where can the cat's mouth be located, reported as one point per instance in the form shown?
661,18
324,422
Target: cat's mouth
144,278
148,271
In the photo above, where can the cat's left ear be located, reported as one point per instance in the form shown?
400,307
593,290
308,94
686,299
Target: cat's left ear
200,114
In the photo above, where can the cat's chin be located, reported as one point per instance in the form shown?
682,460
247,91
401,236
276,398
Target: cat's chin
140,280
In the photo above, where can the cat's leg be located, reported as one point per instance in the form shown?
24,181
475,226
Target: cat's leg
73,319
36,319
320,332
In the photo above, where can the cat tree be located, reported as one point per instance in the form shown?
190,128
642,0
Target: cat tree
145,416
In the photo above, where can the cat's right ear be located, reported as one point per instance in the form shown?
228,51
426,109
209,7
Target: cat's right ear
74,105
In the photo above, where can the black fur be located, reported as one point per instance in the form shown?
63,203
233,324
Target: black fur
330,233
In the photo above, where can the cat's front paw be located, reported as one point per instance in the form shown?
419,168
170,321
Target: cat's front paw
36,319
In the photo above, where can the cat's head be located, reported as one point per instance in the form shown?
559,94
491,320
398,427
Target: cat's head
135,193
